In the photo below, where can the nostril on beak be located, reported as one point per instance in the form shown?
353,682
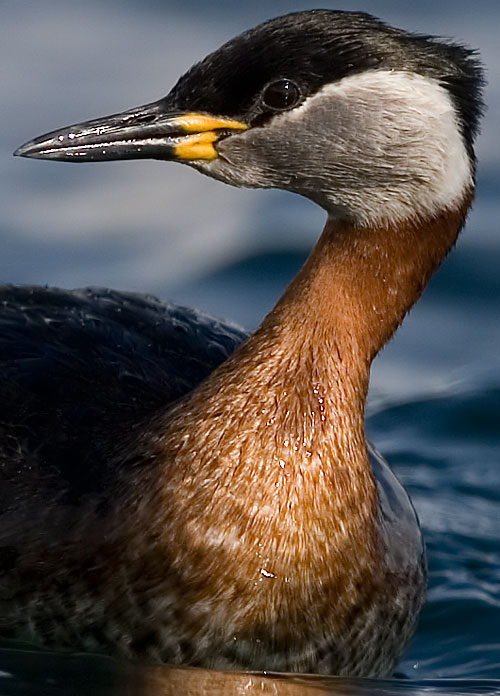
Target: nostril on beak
145,118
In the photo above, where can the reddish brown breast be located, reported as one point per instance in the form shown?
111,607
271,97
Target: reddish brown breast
265,503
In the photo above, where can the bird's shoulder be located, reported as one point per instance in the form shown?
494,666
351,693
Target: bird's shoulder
80,370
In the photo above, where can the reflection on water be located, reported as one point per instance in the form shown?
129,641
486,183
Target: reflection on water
49,674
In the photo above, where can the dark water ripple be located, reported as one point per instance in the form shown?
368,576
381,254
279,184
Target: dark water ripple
446,450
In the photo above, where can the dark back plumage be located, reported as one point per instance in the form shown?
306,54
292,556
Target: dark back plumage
81,372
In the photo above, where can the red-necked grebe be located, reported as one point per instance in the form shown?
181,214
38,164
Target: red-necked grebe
170,493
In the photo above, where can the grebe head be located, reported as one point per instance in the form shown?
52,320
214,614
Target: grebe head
374,124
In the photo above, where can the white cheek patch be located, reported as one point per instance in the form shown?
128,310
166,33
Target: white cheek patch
382,146
395,149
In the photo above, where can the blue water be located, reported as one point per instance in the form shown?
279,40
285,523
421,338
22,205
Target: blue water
434,405
446,450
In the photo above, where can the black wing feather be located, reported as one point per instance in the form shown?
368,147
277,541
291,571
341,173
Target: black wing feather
81,370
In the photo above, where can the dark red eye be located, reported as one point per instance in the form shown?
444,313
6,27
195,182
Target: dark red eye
281,95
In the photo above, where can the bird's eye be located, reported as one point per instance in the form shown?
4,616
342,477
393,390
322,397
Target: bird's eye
281,95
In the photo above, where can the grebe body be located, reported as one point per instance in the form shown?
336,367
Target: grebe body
173,489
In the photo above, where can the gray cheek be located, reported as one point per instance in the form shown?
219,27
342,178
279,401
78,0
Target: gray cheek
252,159
344,154
329,146
281,155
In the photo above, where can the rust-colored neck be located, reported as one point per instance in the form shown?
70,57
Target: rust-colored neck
294,393
358,283
296,389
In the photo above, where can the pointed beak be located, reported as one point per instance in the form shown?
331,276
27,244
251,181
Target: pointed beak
146,132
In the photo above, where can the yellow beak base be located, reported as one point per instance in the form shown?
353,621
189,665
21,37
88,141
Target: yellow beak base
205,132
